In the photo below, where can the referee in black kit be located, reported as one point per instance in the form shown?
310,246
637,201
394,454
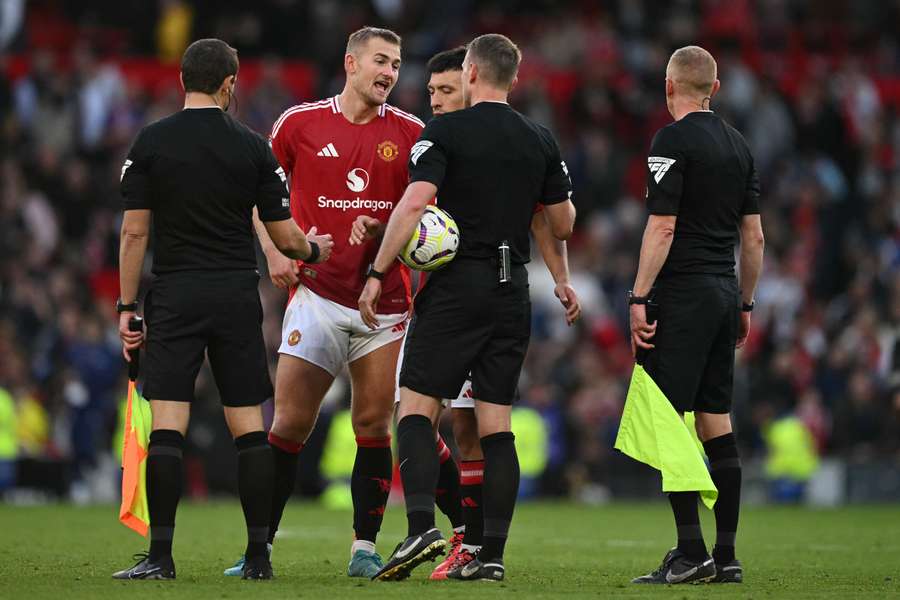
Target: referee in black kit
703,198
199,174
489,166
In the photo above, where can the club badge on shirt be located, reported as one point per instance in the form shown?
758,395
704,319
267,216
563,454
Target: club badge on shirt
387,150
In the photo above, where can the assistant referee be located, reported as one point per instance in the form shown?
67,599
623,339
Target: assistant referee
703,199
199,174
489,167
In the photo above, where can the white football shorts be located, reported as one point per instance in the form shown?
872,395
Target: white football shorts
331,335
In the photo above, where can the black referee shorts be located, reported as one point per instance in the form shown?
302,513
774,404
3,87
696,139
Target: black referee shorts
217,312
693,361
464,321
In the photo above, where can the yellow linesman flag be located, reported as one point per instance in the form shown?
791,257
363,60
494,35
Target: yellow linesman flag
133,512
652,432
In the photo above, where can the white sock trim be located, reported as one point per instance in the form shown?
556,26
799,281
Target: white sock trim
362,545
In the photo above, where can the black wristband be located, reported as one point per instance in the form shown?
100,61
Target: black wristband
122,307
632,299
313,253
748,307
373,273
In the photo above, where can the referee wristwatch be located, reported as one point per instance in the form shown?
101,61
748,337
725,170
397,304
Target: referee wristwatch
122,307
373,273
632,299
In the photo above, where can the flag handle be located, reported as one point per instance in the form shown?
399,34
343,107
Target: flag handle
135,324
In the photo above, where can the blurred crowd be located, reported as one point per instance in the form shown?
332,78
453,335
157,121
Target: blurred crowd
814,87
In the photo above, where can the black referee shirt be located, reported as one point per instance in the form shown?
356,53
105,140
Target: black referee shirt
701,170
492,166
201,172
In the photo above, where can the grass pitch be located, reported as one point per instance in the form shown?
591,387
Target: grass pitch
555,550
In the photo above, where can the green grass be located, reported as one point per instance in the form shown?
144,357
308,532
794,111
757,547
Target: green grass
555,550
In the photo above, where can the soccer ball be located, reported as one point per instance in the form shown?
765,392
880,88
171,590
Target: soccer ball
433,243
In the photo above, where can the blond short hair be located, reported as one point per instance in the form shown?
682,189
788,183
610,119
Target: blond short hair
693,70
361,37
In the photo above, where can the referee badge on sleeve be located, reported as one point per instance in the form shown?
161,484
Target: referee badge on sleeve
418,149
659,165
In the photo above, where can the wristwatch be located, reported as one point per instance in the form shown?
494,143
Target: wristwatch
373,273
748,307
122,307
632,299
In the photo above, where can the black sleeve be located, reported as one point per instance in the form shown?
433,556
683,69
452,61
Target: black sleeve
557,183
751,195
135,179
428,156
273,200
665,172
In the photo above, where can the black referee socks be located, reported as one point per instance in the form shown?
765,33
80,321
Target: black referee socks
687,521
725,468
370,485
164,481
418,470
255,475
499,491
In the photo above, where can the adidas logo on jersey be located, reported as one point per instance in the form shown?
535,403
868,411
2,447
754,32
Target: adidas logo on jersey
659,165
328,151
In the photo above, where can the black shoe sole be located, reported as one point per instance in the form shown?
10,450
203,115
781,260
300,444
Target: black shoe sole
402,570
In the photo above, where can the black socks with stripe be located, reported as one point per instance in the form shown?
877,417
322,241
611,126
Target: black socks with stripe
725,468
499,491
255,476
419,468
165,478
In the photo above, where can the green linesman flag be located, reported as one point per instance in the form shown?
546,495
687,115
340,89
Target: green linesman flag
652,432
133,511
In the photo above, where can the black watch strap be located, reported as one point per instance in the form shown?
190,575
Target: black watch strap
748,307
122,307
373,273
313,253
632,299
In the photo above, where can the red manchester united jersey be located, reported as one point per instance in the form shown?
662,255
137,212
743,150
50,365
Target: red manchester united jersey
339,170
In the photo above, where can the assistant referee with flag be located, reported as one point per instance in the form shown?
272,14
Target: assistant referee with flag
199,174
703,199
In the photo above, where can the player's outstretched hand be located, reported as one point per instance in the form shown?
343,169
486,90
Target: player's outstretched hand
641,331
569,299
131,340
365,228
326,244
368,302
283,271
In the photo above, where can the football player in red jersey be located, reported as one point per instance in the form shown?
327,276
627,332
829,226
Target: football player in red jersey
344,156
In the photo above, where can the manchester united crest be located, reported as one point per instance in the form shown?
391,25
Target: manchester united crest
387,150
294,338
